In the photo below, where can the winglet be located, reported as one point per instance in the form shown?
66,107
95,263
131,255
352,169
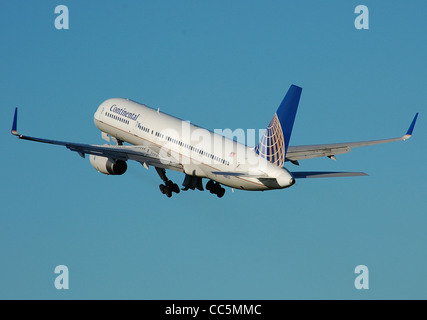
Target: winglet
14,125
411,128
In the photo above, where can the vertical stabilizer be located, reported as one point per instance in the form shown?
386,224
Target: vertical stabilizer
275,141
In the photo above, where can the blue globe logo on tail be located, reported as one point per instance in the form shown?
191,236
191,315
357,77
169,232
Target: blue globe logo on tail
272,144
275,141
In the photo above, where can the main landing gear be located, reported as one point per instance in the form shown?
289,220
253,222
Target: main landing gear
168,187
190,182
215,188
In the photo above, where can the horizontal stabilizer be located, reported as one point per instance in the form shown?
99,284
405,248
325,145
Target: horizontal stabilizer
325,174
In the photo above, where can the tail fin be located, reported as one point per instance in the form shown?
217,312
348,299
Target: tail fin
275,141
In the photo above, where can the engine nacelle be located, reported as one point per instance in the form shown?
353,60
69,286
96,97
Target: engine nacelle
108,166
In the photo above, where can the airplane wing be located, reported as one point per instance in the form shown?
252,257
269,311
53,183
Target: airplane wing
330,150
137,153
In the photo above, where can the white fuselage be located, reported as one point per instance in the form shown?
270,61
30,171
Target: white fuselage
201,152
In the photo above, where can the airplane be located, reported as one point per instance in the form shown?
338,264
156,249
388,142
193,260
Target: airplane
162,141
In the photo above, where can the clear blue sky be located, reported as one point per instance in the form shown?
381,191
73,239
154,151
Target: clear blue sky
220,64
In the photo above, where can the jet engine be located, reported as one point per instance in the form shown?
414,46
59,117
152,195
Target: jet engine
108,166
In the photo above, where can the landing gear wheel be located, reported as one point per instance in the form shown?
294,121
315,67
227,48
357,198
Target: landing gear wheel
168,192
172,186
175,188
168,187
210,185
220,193
215,188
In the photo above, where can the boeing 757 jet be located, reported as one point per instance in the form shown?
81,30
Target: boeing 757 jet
156,139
